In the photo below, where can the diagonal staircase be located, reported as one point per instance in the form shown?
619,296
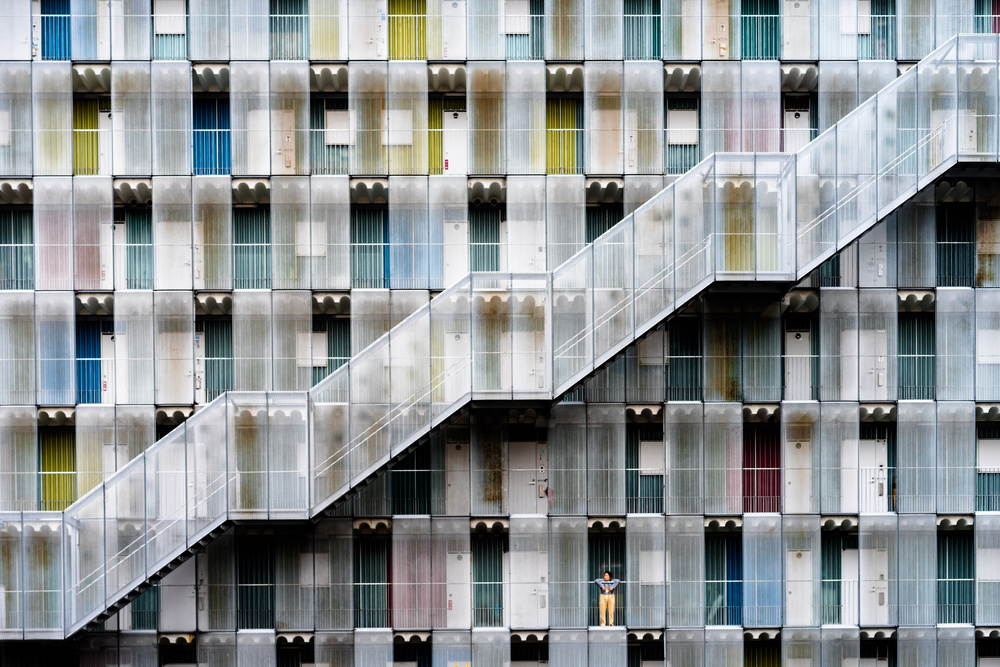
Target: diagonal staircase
762,218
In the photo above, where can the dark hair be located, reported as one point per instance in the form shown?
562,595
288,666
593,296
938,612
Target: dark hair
608,572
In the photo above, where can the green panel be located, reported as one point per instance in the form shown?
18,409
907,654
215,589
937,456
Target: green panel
255,583
407,29
326,160
760,29
368,256
564,135
684,374
139,248
145,609
85,143
642,30
371,589
218,335
17,256
956,559
57,454
606,551
644,493
956,244
252,248
487,580
916,356
600,219
484,238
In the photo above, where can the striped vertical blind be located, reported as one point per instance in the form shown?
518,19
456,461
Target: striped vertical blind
600,219
956,244
17,254
684,379
487,580
987,17
338,345
880,42
564,135
916,356
484,238
145,609
530,45
831,573
252,248
987,478
212,154
218,342
57,456
723,579
88,359
411,483
85,137
369,260
407,29
759,29
642,30
956,573
761,468
55,29
139,248
255,583
289,30
371,582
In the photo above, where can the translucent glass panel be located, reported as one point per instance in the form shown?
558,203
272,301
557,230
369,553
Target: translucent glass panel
915,485
724,458
172,231
328,37
685,647
567,572
877,341
249,87
209,21
643,118
724,646
171,112
877,568
646,572
292,244
605,459
683,430
19,459
289,118
486,84
839,476
43,574
248,30
16,102
526,223
55,319
449,212
174,362
721,107
604,36
800,443
17,349
987,576
954,333
987,332
762,576
92,234
367,101
134,340
529,566
328,229
603,111
293,341
412,579
89,25
956,440
415,259
252,340
564,29
525,114
565,207
839,353
918,570
52,94
759,103
334,597
130,118
211,200
130,30
405,126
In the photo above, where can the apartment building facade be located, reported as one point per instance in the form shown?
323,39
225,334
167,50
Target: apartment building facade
348,273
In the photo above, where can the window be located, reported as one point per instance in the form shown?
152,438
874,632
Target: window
57,468
412,655
410,480
211,136
55,29
564,135
134,233
255,583
956,573
330,126
988,467
17,253
839,574
601,218
723,579
684,375
759,31
145,609
95,361
330,345
644,468
606,551
683,134
761,467
289,30
371,581
956,244
642,30
876,28
252,248
213,346
484,237
916,356
369,237
407,29
169,29
488,558
987,16
92,136
524,25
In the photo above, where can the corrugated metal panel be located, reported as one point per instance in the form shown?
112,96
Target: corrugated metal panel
487,580
760,31
956,560
57,455
684,375
88,359
218,357
564,135
644,493
55,29
723,580
956,244
642,30
761,468
212,154
484,238
606,552
252,248
255,583
289,30
369,260
85,137
17,253
371,577
139,248
916,356
407,29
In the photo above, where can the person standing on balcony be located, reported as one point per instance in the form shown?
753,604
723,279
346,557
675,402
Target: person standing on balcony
607,587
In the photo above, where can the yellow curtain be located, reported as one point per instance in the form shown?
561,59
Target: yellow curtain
407,29
561,135
58,468
85,137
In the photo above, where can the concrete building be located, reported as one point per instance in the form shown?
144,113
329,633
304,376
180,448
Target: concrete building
371,332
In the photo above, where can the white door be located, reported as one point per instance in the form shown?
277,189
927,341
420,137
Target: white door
797,29
798,470
455,144
121,366
107,252
849,476
456,250
798,366
527,478
453,29
873,345
796,129
873,479
459,575
875,586
529,589
456,499
799,587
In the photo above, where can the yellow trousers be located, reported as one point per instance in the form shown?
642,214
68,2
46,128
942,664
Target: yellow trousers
607,603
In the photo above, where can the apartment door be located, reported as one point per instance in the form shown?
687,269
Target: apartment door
528,478
875,586
873,479
798,469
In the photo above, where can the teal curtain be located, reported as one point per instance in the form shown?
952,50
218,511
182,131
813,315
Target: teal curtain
145,609
987,483
411,483
642,30
759,29
255,583
644,493
17,252
218,341
723,579
916,356
484,238
252,248
956,244
600,219
956,559
831,572
369,229
338,344
880,44
606,551
139,248
487,580
986,19
289,30
371,581
684,376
